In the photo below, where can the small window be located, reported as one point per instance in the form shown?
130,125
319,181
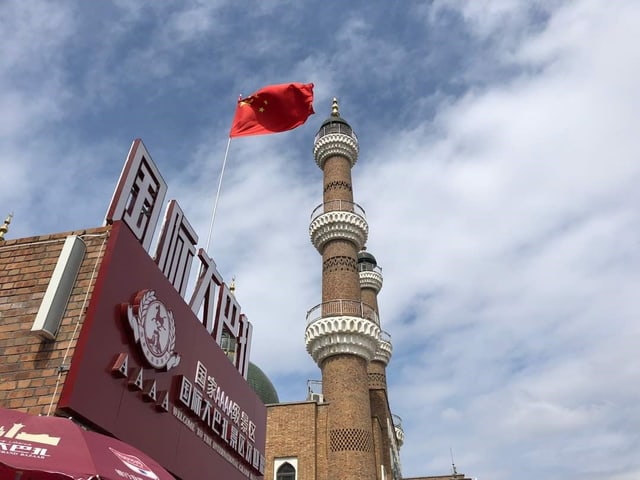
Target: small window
286,472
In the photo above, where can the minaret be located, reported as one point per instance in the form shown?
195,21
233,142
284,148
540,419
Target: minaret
371,284
342,332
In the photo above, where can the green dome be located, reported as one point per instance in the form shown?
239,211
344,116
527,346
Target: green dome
261,384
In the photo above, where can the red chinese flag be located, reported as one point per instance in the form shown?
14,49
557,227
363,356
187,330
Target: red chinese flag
272,109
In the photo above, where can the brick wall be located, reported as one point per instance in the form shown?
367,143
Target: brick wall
298,430
381,414
31,376
376,428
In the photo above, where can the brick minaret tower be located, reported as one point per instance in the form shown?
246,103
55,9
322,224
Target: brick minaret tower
342,332
392,435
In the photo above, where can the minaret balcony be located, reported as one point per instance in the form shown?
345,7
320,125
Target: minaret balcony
370,276
397,424
342,327
338,220
336,127
384,350
335,139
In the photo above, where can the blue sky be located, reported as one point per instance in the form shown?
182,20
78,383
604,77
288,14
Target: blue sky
498,170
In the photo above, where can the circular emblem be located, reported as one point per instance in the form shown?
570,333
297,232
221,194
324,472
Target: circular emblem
155,333
153,326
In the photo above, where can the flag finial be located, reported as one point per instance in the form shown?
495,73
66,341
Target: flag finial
335,111
5,226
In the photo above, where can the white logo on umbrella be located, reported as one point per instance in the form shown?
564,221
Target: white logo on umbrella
134,463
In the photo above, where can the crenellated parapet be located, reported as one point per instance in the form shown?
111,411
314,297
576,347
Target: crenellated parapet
342,327
341,335
338,220
384,348
371,279
336,145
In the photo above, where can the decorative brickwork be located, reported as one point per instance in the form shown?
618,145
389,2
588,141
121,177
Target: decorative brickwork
337,170
337,185
334,264
377,380
351,439
340,283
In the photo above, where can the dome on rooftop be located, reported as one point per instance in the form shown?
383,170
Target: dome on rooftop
260,383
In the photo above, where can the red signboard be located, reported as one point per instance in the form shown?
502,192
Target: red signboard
147,371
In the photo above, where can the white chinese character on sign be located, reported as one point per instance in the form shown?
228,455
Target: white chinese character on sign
235,413
212,386
139,195
244,422
201,375
252,431
176,247
233,441
196,402
185,392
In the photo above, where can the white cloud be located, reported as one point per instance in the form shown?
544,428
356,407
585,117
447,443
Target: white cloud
506,222
520,210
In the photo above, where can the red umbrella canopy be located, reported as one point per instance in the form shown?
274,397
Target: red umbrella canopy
55,448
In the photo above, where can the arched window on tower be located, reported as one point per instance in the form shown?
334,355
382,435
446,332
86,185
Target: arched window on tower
286,472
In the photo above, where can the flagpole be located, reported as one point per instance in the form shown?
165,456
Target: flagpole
215,204
296,104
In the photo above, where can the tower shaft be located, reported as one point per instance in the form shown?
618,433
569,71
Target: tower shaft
342,334
339,257
344,377
371,283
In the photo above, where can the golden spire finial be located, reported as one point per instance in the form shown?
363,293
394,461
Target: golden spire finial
232,287
5,226
335,112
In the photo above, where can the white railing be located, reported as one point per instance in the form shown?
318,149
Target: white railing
336,127
397,421
367,267
385,337
337,206
336,308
